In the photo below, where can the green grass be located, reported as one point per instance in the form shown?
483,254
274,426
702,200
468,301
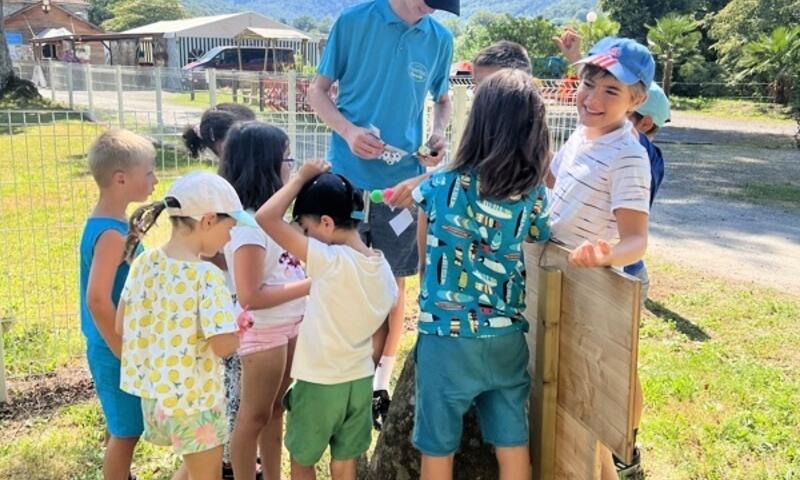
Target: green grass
732,108
721,374
201,99
69,446
46,194
719,364
784,194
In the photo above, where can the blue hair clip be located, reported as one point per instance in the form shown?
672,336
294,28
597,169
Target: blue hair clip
357,215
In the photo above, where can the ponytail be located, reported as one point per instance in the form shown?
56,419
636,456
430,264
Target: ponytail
140,223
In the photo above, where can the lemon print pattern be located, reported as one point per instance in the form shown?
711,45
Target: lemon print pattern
172,308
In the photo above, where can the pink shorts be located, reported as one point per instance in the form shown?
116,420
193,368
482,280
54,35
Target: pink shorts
257,339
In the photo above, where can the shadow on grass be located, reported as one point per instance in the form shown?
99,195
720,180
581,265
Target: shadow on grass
684,326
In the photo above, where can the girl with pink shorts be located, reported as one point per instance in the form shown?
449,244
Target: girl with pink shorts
272,285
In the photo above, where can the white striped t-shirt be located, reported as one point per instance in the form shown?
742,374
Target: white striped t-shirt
593,179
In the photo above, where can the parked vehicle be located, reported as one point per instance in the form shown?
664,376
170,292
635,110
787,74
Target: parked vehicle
231,57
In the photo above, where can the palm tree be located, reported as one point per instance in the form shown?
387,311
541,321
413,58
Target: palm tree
602,26
673,39
775,56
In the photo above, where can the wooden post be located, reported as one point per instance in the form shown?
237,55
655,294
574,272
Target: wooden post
261,93
544,391
460,112
120,97
159,99
51,72
5,324
292,99
212,87
191,85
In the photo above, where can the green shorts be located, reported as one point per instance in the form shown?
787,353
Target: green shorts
338,415
185,434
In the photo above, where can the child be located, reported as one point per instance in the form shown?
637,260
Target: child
270,283
601,176
352,291
177,321
471,346
123,166
499,55
214,125
210,134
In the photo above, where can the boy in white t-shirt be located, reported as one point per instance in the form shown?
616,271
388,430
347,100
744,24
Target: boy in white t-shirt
352,291
600,178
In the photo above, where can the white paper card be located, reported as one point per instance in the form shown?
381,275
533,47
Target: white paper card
401,222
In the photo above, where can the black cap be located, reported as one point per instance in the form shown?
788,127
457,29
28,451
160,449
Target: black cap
452,6
329,194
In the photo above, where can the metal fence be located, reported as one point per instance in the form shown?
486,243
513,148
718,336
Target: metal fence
47,193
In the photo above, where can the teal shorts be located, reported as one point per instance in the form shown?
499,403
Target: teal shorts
339,415
452,374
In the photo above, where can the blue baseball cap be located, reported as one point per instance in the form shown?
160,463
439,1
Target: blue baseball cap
452,6
628,60
656,106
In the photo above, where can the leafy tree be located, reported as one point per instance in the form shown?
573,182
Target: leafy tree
743,21
311,24
100,10
135,13
635,15
604,26
775,58
672,40
6,70
535,34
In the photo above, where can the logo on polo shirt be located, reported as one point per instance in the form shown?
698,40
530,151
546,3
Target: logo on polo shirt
417,71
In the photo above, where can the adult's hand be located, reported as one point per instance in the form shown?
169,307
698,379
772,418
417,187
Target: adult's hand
363,143
437,144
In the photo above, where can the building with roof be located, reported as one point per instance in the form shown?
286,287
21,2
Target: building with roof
187,40
25,22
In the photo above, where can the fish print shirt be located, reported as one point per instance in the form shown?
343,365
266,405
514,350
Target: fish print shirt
474,281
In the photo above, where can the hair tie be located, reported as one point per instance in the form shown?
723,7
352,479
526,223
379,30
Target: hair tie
357,215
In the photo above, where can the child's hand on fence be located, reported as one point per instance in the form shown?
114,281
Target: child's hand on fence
589,255
312,168
570,44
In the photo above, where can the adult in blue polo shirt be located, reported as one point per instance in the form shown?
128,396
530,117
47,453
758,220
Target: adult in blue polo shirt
388,56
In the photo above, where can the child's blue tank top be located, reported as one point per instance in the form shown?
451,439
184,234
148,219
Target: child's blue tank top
94,228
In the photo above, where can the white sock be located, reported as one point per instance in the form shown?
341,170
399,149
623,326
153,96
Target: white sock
383,373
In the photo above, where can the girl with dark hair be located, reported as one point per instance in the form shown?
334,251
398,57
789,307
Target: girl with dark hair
271,284
477,213
214,125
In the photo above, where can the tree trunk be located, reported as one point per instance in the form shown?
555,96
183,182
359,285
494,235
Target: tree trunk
667,78
6,70
396,458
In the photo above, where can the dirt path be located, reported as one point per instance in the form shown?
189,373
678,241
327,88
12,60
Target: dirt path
695,223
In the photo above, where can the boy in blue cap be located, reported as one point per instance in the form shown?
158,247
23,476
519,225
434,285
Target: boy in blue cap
600,178
387,57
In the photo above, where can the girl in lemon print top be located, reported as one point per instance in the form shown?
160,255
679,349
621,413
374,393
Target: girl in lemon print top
176,321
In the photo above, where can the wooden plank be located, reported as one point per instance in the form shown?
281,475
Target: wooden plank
576,450
598,351
544,390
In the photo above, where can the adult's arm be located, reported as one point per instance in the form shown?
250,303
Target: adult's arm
361,141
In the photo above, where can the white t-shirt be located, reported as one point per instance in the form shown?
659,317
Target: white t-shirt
593,179
280,268
351,295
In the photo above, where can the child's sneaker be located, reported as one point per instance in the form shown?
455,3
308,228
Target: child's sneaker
380,408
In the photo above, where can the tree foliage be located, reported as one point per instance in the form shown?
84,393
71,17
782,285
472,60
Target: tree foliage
135,13
776,59
673,40
535,34
635,15
743,21
604,26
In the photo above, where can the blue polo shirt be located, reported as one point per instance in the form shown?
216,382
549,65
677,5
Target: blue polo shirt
385,69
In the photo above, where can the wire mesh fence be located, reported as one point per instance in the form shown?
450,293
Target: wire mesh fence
47,191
